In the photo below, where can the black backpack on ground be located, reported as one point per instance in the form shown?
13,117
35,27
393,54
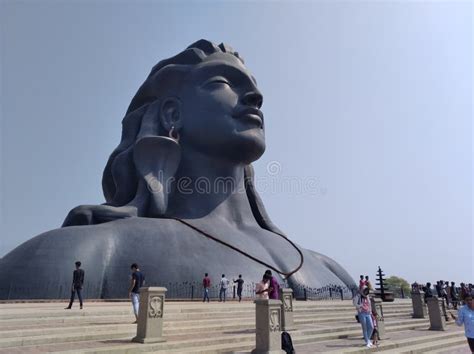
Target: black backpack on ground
287,343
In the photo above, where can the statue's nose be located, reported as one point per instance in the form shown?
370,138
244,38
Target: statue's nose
253,99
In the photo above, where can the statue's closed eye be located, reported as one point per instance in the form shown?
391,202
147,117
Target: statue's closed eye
217,80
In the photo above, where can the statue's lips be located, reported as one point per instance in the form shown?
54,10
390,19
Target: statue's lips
252,115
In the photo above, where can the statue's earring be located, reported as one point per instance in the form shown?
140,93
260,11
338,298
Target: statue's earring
173,134
157,158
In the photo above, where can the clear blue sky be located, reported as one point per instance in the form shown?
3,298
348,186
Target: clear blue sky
372,100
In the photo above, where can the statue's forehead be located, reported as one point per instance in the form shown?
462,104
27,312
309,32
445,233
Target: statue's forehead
221,62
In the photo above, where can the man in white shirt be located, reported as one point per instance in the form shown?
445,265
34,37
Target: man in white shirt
224,284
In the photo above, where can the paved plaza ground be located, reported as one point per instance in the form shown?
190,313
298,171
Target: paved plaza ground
195,327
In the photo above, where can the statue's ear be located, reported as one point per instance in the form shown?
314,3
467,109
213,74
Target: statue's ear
170,113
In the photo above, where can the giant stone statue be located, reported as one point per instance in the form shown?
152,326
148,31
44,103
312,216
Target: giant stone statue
180,195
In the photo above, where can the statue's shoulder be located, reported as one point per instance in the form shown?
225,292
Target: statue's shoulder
328,271
116,221
77,239
62,240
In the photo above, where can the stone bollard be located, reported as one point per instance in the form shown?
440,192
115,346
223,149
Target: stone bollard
150,315
437,320
286,296
268,327
419,307
444,311
378,310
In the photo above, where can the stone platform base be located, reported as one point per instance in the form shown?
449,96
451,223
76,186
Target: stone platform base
207,328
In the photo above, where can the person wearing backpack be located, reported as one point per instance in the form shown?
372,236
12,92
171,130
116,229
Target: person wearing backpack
364,312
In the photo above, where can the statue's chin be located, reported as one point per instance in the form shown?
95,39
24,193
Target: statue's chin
248,150
252,155
249,145
240,148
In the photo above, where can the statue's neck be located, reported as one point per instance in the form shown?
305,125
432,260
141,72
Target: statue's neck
210,188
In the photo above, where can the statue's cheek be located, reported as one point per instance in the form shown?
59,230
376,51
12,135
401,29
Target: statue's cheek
224,97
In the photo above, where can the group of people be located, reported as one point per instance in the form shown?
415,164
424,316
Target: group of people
267,288
137,279
449,292
454,297
365,282
224,284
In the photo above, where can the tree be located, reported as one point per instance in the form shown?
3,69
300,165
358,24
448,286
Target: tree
395,283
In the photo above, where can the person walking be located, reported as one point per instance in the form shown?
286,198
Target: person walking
438,289
428,291
449,298
223,285
444,293
364,312
206,284
466,317
463,293
274,287
454,295
77,285
240,286
137,280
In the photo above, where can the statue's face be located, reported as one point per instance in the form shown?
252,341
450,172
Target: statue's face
220,111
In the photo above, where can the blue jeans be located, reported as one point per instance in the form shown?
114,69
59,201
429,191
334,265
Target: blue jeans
206,295
73,295
135,303
222,294
367,325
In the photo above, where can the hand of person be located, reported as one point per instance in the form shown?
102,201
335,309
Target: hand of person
130,294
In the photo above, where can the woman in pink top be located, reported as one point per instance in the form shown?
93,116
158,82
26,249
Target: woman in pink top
273,287
261,289
364,312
